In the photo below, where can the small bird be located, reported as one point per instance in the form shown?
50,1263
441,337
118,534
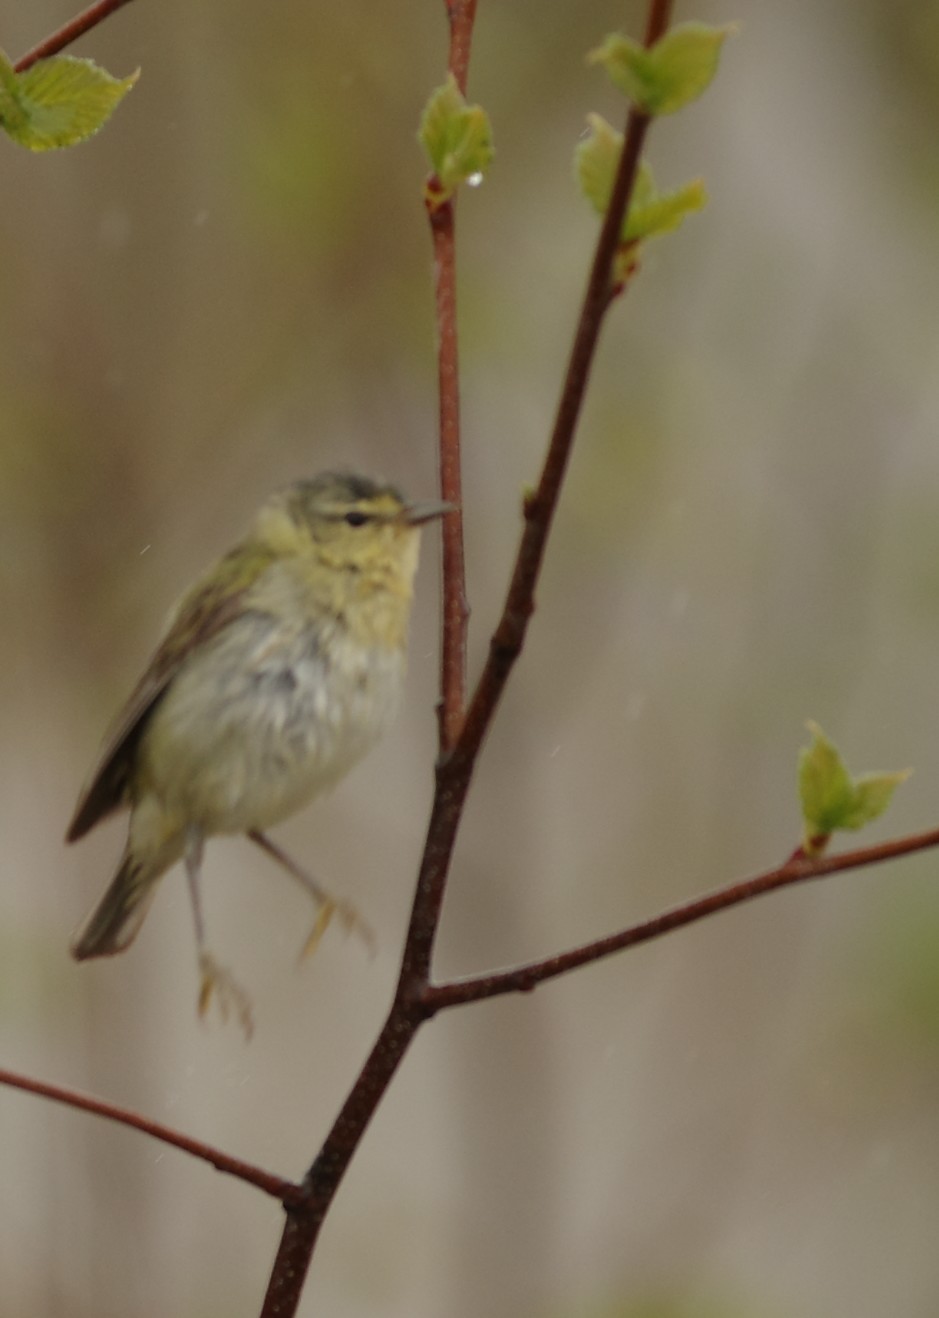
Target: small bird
280,668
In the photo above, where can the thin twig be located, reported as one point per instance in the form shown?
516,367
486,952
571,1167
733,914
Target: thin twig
455,611
798,869
657,20
462,16
70,32
455,771
286,1191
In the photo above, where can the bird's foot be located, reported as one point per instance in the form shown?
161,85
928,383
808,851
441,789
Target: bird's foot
215,981
350,919
326,904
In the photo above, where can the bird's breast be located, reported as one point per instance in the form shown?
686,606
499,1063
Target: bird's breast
264,718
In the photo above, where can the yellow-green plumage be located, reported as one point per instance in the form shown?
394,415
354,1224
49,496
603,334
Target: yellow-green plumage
281,667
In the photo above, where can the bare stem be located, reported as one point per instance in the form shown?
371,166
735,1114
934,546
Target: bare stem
70,32
455,612
462,15
657,20
797,869
286,1191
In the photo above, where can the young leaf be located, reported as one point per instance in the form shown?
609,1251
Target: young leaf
57,102
825,787
595,161
457,139
831,797
664,77
651,213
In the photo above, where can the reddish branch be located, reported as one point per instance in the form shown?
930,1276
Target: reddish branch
462,16
70,32
286,1191
455,611
798,869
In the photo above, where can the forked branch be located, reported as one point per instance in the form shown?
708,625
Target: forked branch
457,761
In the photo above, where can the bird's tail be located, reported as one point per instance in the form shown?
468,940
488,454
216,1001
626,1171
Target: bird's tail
115,921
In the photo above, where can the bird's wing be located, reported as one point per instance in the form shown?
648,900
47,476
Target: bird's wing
211,605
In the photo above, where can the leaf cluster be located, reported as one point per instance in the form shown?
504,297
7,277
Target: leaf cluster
832,798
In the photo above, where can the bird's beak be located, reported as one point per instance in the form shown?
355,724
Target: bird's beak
416,514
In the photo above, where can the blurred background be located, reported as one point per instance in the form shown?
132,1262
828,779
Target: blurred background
231,287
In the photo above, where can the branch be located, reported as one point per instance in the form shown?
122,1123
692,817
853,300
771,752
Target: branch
303,1224
455,612
454,771
462,16
69,32
798,869
455,766
286,1191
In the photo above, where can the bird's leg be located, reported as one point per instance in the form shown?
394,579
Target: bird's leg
328,905
213,978
195,845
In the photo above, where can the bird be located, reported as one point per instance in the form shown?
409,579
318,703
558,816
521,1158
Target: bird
279,669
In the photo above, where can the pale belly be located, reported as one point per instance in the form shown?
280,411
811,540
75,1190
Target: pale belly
262,722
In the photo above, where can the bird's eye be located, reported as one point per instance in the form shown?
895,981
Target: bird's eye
355,518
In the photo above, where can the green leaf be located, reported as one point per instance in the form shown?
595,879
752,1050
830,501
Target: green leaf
831,798
457,139
667,76
651,213
57,102
873,793
824,784
595,161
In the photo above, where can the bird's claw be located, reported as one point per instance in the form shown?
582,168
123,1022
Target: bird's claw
350,919
215,981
